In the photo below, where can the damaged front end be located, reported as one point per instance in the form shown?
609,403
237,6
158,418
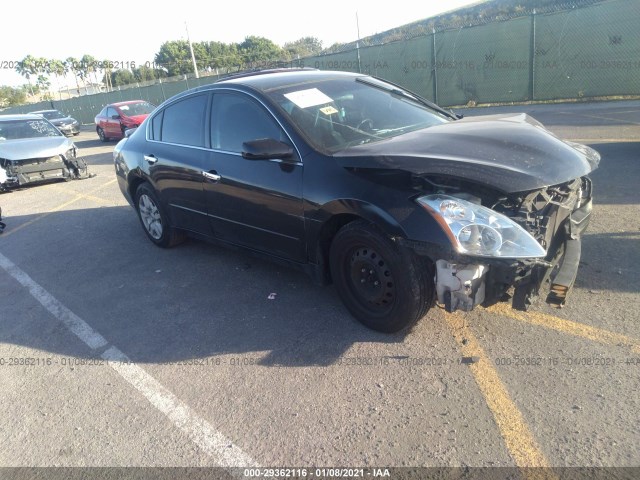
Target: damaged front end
509,246
67,166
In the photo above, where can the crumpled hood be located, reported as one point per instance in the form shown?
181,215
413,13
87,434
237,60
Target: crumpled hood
27,148
513,153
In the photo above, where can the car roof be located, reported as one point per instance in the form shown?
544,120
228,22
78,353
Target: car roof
20,116
128,102
269,79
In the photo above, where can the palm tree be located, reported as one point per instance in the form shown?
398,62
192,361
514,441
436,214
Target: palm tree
72,65
58,69
28,67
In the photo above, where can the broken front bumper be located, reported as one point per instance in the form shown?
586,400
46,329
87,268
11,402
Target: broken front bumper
37,170
464,282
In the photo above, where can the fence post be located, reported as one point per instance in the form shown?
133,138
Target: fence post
164,97
435,68
532,56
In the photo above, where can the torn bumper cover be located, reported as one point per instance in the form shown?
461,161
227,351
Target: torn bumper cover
463,282
15,173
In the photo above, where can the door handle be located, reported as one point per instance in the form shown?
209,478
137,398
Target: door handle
212,175
151,159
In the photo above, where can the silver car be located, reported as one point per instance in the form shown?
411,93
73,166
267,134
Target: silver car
33,150
67,125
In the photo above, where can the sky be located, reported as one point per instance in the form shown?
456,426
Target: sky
135,30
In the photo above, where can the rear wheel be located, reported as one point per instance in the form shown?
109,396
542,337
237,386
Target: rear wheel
383,286
154,220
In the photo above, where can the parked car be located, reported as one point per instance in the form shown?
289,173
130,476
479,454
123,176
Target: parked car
114,119
67,125
359,182
33,150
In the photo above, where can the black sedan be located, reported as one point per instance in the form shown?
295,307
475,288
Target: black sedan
66,124
362,183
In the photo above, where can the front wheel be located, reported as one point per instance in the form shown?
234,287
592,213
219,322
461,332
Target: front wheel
103,137
385,287
154,220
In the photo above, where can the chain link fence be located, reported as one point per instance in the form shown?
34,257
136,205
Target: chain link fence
564,52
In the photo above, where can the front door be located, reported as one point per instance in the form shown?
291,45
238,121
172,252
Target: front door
254,203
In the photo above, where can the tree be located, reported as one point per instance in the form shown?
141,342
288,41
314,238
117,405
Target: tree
89,68
147,74
303,47
122,77
72,65
259,50
174,57
11,97
107,69
43,85
58,69
28,67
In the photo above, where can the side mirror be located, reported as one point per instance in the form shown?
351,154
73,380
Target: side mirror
265,149
129,131
115,117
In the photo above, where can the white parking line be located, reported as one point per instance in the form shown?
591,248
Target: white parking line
212,442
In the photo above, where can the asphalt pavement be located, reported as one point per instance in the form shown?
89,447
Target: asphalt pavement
116,353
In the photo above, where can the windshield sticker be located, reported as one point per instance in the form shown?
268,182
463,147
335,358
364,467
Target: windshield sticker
328,110
308,98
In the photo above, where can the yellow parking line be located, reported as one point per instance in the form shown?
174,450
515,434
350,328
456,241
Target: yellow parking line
40,217
522,446
79,196
567,326
93,198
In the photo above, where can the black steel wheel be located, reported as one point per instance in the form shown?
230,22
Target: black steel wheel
383,286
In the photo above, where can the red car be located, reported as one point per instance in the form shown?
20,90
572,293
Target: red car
115,118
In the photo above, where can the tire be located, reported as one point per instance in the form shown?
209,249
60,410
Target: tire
362,255
154,219
101,134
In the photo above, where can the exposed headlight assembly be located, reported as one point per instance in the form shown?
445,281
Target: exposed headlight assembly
71,153
479,231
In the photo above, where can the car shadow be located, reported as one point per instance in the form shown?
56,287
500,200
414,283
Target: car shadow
616,179
165,305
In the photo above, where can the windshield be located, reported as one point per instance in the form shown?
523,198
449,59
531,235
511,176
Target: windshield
338,113
53,114
19,129
133,109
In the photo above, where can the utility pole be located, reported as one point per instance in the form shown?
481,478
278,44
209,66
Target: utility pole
358,43
193,57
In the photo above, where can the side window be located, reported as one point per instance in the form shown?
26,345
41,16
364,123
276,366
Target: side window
236,118
183,122
111,112
156,124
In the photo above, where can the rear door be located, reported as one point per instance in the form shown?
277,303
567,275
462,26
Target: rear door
176,154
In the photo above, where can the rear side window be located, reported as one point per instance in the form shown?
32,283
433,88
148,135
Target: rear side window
156,124
183,122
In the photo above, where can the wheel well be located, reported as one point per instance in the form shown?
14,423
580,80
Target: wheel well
134,183
325,238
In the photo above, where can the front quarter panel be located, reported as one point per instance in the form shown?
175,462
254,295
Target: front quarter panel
331,190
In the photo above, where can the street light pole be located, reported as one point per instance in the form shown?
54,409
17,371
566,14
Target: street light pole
193,57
